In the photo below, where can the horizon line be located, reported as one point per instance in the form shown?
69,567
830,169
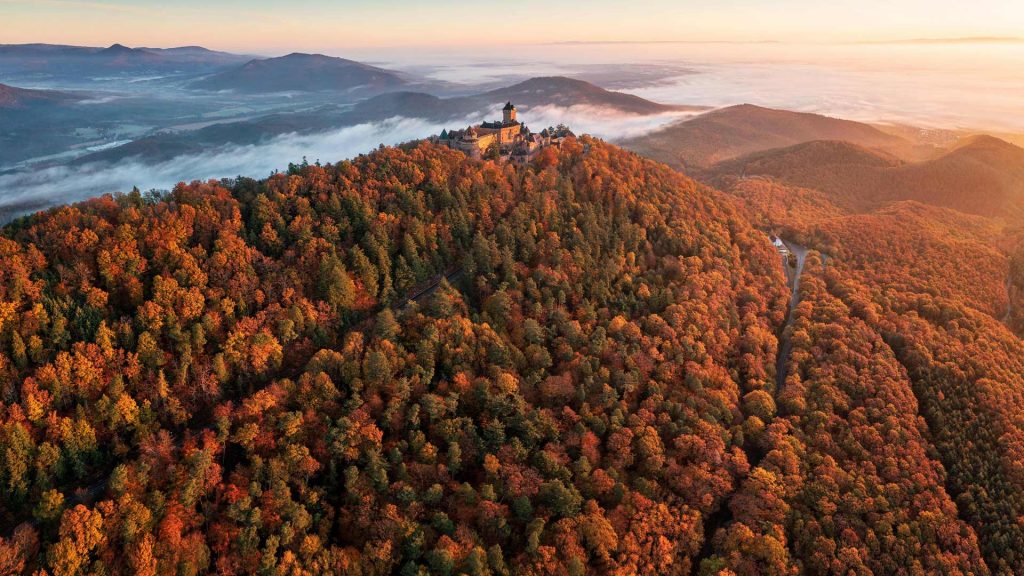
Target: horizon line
944,40
244,52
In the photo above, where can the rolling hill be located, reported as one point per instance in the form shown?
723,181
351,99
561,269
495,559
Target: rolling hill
736,131
11,97
983,175
341,266
562,91
301,73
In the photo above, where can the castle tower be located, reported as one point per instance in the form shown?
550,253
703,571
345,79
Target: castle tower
508,113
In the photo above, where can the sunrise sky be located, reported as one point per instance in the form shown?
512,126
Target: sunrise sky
269,26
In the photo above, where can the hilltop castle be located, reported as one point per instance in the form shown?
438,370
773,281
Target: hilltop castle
507,139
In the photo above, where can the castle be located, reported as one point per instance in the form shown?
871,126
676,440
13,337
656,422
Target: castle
507,139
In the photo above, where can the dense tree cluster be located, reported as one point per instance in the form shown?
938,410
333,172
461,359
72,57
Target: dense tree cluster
418,363
848,486
940,314
929,294
233,378
769,204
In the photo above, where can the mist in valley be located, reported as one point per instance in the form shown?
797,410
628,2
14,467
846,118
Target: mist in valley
24,191
49,150
971,85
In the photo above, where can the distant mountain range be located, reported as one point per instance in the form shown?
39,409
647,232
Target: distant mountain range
857,167
558,91
740,130
209,70
85,62
301,73
954,40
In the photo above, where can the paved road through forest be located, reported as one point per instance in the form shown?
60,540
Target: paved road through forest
793,280
723,516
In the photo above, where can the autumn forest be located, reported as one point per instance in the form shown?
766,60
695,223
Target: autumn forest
414,362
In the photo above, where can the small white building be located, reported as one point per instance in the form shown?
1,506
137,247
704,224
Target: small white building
780,245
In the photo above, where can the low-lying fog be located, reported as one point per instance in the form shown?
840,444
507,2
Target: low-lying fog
23,190
30,190
975,85
969,85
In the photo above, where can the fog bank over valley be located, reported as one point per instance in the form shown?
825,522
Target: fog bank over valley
27,190
73,129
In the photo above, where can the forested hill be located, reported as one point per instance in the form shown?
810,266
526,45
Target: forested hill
418,363
230,379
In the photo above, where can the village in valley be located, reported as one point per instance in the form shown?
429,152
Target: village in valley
507,139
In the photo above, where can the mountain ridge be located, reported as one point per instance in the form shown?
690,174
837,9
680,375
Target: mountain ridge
980,175
300,72
735,131
13,97
88,62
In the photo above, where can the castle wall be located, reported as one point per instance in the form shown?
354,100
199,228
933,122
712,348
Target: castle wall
475,148
508,134
513,144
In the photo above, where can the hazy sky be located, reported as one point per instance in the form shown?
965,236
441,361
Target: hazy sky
276,26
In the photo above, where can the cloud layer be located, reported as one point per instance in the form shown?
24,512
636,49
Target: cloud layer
30,190
602,122
69,184
970,87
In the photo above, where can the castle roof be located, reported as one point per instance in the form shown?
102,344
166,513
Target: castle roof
444,134
509,106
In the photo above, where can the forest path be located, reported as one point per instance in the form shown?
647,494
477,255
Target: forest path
420,294
793,280
723,515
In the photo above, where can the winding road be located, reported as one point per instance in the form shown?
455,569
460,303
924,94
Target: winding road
793,280
723,515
